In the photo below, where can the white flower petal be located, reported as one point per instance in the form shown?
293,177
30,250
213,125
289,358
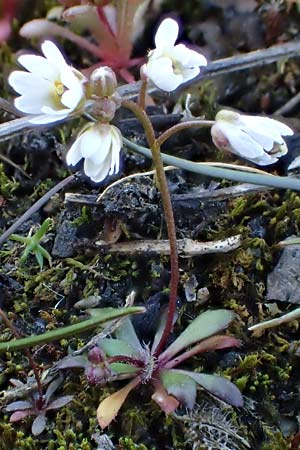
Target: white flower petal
189,74
186,57
116,146
162,75
195,59
270,125
74,156
29,104
167,34
99,144
94,172
265,160
241,144
103,172
90,143
28,83
262,127
263,139
70,99
39,66
53,54
104,149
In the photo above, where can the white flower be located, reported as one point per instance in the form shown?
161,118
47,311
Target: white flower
51,88
99,144
255,138
170,65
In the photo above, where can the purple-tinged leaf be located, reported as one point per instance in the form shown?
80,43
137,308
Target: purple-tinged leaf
218,386
38,425
19,405
53,386
60,402
213,343
19,415
73,362
180,386
204,326
166,402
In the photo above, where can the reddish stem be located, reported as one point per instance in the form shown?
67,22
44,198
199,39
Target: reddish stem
27,352
169,216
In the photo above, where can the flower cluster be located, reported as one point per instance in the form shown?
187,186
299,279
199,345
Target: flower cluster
51,90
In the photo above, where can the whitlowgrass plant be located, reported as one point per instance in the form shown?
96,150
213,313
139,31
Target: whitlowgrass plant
51,90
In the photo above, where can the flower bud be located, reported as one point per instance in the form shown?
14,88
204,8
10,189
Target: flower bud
103,82
258,139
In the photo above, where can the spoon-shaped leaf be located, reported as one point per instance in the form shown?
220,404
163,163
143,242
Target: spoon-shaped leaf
218,386
205,325
180,386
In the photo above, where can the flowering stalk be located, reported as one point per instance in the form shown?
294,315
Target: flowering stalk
182,126
169,216
27,352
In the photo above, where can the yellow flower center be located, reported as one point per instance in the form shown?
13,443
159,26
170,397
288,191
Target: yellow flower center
59,88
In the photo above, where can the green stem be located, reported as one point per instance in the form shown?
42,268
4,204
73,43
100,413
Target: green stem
217,172
99,316
169,217
183,126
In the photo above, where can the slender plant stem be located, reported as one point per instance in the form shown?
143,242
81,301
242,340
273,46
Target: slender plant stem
27,352
142,93
182,126
169,216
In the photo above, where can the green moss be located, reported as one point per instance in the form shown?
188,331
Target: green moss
126,443
276,441
7,186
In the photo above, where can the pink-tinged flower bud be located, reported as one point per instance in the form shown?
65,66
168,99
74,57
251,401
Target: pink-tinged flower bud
103,82
96,355
98,371
258,139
